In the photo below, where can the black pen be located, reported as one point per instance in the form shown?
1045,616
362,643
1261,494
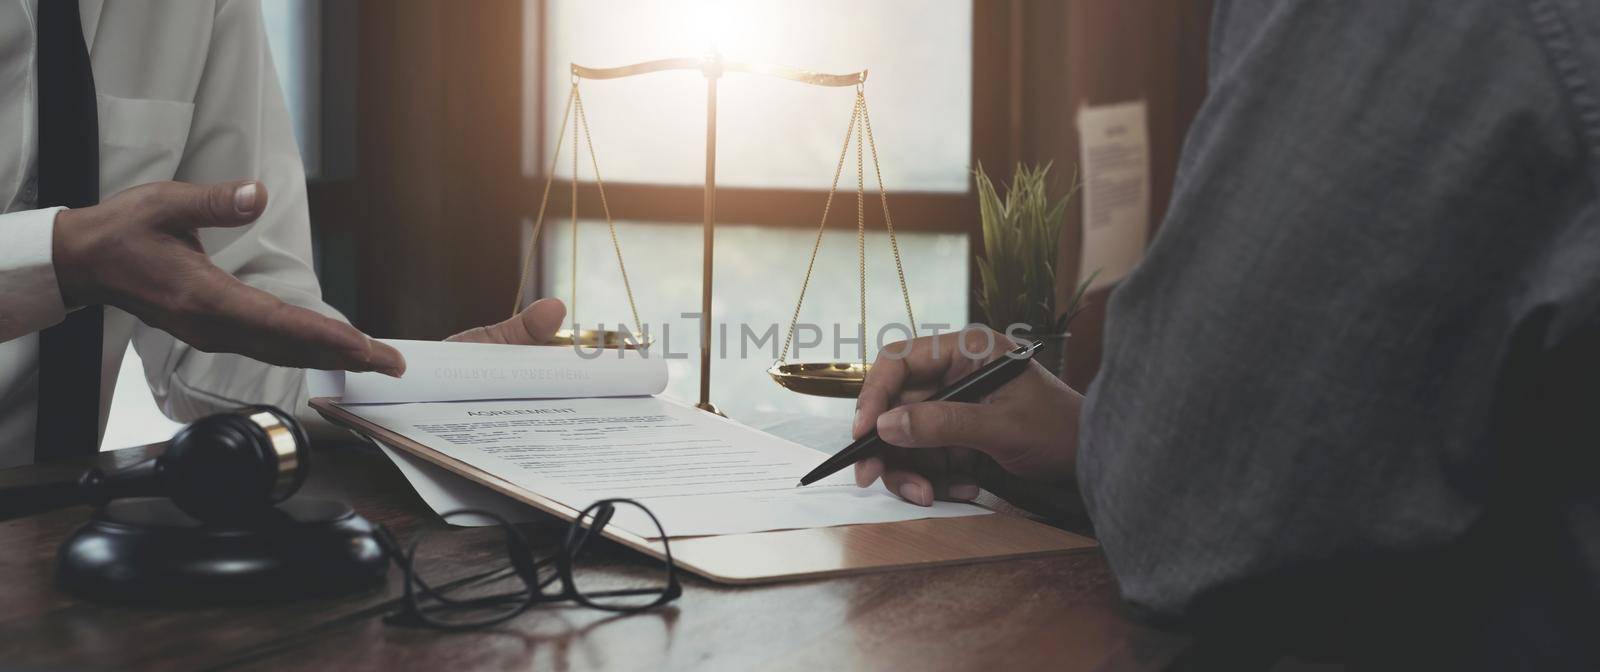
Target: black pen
972,386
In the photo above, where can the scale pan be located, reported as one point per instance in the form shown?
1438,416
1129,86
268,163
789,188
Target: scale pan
600,338
822,379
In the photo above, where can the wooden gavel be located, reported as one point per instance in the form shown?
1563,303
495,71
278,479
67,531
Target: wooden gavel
223,468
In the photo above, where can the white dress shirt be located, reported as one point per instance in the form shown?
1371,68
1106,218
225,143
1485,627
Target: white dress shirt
186,92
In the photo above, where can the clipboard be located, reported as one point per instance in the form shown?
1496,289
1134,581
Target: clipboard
783,555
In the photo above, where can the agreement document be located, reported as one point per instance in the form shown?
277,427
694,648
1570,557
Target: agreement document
701,474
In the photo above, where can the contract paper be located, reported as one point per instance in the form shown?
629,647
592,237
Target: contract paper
444,491
700,474
440,371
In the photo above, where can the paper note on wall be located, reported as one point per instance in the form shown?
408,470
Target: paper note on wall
1116,189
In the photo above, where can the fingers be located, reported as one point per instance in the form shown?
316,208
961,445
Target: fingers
868,470
931,465
540,320
535,325
934,424
936,449
882,384
303,338
949,474
380,356
910,485
184,207
961,475
896,366
231,316
930,360
921,476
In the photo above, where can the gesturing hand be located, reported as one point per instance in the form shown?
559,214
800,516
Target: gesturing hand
1028,427
140,251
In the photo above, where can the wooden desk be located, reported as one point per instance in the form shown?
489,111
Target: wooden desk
1057,613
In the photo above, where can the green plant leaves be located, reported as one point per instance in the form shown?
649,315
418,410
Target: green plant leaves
1021,236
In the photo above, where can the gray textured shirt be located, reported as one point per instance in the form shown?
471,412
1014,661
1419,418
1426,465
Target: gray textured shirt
1349,399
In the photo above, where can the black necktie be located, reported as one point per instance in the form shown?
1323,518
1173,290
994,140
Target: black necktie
69,175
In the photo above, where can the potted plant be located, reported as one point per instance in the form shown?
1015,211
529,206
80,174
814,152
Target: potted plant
1017,271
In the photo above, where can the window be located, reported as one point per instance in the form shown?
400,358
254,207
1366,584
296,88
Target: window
777,145
771,132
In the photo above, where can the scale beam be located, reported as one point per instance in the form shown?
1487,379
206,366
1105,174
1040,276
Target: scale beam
714,66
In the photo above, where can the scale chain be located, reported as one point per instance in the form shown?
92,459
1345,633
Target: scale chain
821,225
861,230
538,222
572,310
574,109
605,207
888,222
859,113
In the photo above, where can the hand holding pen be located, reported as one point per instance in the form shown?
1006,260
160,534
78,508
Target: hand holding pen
1026,429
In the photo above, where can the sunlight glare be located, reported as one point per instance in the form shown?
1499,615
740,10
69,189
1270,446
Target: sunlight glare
727,26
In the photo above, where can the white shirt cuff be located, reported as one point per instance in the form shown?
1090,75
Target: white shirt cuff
30,299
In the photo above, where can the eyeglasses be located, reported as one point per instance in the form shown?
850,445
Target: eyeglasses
481,600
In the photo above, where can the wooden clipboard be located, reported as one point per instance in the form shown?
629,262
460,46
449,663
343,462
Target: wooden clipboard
784,555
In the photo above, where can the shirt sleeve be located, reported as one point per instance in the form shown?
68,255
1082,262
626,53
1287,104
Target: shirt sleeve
30,300
1302,392
240,130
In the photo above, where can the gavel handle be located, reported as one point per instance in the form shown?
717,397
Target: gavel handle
93,487
26,500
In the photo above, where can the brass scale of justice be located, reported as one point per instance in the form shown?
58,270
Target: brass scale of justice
827,379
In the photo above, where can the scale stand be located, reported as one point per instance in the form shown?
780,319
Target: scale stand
827,379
